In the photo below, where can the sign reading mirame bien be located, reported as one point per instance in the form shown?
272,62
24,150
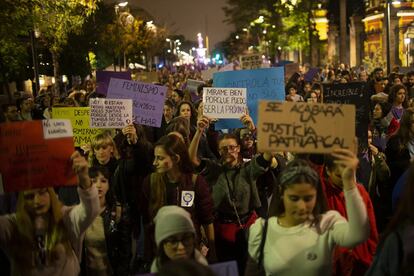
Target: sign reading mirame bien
224,103
110,113
305,128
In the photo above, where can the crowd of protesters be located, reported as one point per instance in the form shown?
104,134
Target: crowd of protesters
151,196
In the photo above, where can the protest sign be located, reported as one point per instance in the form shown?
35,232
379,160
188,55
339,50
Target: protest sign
266,84
147,99
36,154
103,78
304,127
310,74
219,103
208,74
110,113
249,62
79,117
192,85
228,67
352,93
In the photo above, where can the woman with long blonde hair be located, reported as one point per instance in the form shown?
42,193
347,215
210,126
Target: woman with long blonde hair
44,237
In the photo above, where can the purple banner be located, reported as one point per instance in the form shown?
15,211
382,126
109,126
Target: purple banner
147,99
103,78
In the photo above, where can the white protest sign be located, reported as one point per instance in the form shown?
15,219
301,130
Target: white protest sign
249,62
110,113
192,85
57,128
224,103
208,74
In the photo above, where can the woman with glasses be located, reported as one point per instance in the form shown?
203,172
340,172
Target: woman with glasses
235,193
175,237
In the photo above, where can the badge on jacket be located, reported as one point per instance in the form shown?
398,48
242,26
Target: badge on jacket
187,198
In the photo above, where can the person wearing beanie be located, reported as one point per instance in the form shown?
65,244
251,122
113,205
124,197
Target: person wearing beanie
174,237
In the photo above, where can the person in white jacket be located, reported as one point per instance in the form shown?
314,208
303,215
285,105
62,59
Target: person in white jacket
301,233
44,237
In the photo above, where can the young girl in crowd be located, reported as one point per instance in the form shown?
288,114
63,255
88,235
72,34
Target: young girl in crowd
301,234
44,237
107,241
104,152
174,183
175,237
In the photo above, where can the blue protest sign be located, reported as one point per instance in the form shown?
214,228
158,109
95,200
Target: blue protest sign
261,84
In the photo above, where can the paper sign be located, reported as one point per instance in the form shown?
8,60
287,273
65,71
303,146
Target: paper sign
192,85
79,117
208,74
267,84
352,93
225,103
304,127
28,160
57,128
110,113
147,99
103,78
248,62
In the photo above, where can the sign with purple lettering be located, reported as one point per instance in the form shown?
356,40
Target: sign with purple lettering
147,99
103,78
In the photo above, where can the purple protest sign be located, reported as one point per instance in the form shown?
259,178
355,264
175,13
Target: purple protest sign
103,78
147,99
311,74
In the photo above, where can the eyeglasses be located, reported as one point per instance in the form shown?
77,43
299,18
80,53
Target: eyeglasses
186,240
229,148
247,137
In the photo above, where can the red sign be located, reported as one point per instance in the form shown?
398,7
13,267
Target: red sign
28,160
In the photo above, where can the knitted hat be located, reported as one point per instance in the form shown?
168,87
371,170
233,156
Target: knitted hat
171,220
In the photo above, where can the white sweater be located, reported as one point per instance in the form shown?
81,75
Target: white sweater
307,250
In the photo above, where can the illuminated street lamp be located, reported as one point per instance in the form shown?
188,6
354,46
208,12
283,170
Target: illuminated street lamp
407,42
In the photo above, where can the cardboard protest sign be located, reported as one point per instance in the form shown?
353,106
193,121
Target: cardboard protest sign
266,84
192,85
103,78
110,113
36,154
304,127
79,117
147,99
226,103
249,62
208,74
352,93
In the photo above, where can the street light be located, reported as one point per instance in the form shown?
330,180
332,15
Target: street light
407,42
123,4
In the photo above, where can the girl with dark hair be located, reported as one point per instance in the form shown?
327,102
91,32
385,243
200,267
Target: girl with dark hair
186,109
107,243
398,97
174,183
395,253
400,147
301,234
175,236
381,129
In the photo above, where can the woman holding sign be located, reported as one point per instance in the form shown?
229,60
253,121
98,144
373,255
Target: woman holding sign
300,235
174,183
44,237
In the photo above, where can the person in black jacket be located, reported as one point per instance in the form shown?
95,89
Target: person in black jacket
107,245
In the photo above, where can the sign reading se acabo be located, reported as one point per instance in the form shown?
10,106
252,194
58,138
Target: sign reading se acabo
224,103
304,127
110,113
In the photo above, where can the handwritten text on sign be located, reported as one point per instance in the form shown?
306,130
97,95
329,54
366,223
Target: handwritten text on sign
224,103
36,154
79,117
249,62
304,127
110,113
147,99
